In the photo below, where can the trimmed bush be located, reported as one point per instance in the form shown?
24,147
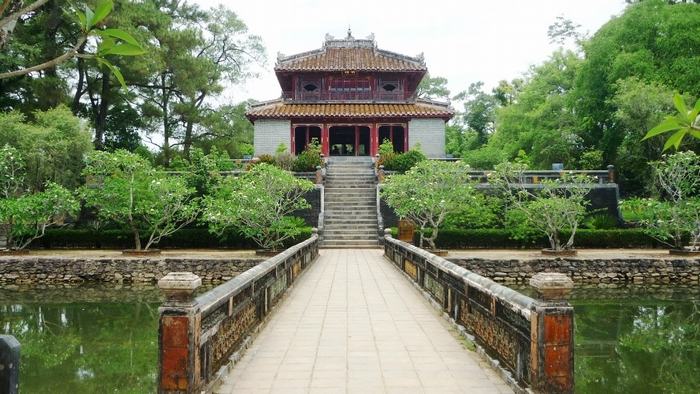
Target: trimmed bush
188,238
496,238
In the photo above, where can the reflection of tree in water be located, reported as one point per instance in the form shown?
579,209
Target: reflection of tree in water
85,347
633,344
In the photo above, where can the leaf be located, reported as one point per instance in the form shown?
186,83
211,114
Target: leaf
89,17
125,50
679,102
120,34
675,139
82,18
669,124
102,9
114,70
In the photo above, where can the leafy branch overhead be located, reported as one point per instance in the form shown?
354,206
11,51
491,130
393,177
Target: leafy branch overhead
107,42
685,122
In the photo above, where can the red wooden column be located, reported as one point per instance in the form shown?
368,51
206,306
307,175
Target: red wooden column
357,140
325,140
405,138
373,140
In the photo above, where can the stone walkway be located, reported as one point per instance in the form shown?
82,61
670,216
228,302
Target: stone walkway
353,324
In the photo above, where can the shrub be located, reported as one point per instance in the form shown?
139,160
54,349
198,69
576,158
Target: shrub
258,204
401,162
132,194
309,159
285,161
483,212
551,208
600,221
266,158
428,193
497,238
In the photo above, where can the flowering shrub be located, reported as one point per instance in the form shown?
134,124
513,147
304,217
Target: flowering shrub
26,216
129,192
552,207
427,193
258,204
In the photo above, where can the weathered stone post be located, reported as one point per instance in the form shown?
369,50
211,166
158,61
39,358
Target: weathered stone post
179,334
552,328
319,175
611,173
9,364
380,174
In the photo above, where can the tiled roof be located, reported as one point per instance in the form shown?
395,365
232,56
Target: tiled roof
350,54
284,110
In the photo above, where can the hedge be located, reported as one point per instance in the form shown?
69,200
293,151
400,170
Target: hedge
190,238
500,238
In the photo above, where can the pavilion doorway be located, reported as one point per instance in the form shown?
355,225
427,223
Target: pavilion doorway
349,140
303,136
394,133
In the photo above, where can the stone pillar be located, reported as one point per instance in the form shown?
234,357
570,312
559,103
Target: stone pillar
611,173
319,175
380,174
9,364
552,331
178,334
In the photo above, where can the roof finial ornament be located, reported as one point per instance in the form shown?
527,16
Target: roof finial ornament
349,37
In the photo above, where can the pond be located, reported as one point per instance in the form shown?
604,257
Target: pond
104,339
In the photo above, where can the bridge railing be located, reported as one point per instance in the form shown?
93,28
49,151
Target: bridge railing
199,336
531,339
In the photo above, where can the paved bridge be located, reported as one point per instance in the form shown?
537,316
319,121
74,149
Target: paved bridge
361,320
353,323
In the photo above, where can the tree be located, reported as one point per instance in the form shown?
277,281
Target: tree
677,215
429,192
53,145
551,207
433,88
479,111
259,205
108,41
125,189
25,216
686,122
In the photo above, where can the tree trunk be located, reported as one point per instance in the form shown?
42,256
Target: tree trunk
187,143
75,106
137,237
166,121
101,115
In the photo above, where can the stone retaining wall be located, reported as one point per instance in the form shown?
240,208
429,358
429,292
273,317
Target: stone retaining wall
589,271
47,270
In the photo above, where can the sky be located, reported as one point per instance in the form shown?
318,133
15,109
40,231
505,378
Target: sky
464,41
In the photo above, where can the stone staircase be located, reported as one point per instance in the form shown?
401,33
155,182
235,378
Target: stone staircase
350,216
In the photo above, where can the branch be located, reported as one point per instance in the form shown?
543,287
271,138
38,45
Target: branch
31,7
51,63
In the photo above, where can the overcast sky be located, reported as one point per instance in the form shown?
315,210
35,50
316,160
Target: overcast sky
464,41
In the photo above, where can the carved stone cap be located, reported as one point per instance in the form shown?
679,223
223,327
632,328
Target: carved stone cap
179,285
552,285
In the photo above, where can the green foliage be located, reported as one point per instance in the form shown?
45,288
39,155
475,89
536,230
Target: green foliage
433,88
52,146
484,211
386,147
281,148
428,193
259,205
676,219
310,158
686,122
246,149
600,221
550,208
591,160
401,162
126,190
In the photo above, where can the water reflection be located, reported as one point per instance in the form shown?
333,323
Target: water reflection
637,340
84,340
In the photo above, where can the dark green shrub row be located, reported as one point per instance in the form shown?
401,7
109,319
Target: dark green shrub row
501,238
190,238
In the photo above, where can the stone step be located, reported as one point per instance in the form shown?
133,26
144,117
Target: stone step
350,190
349,221
349,232
350,237
350,245
347,185
364,203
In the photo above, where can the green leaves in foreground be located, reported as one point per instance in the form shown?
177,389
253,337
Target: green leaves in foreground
115,42
685,122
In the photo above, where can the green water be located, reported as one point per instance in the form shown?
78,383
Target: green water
103,340
84,340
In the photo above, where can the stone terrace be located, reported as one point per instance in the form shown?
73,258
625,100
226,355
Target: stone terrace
354,324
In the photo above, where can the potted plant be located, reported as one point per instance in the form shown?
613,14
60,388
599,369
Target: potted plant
427,193
259,205
131,193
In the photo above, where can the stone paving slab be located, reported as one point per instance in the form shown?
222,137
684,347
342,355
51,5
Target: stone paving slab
354,324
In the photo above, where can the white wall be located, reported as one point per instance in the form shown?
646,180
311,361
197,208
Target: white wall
430,134
269,133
